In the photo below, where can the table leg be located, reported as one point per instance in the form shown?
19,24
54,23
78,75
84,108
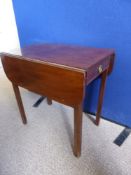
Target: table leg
49,101
77,130
19,102
101,95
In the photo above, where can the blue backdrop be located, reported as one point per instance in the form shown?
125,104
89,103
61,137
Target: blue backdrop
91,23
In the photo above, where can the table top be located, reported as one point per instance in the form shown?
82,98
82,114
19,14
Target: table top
67,55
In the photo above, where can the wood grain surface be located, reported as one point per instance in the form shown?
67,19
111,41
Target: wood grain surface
61,84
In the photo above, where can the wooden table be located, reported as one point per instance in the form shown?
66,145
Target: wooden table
60,72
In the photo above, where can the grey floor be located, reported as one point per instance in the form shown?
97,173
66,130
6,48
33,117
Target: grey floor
43,146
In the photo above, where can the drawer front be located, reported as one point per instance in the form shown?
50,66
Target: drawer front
97,69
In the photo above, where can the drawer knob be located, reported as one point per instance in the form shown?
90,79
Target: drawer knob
100,69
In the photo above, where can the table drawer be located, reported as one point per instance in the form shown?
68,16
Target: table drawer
95,70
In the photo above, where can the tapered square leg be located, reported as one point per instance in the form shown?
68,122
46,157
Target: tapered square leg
77,130
19,102
101,96
49,101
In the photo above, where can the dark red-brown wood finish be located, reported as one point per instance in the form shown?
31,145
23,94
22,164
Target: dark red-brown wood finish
61,73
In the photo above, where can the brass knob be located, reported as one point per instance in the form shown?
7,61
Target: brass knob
100,69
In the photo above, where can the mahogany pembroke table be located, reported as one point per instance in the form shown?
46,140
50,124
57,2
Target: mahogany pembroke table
61,73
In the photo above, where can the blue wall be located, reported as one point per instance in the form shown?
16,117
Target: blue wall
92,23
